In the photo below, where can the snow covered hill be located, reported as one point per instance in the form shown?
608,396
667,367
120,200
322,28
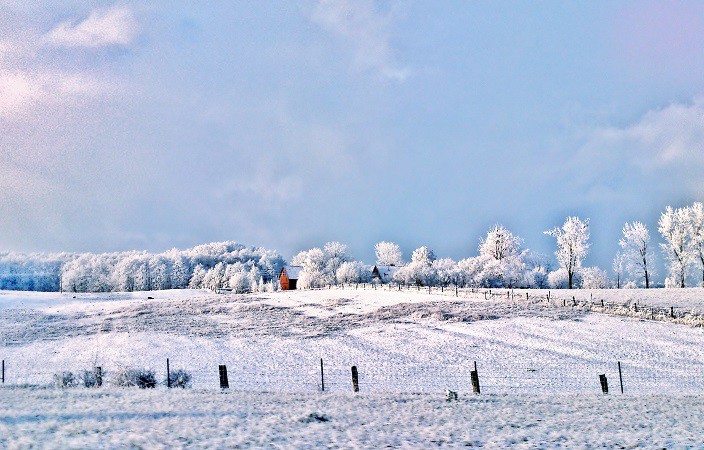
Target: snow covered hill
400,341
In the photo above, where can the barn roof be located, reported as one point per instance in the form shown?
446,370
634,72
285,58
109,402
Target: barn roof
387,272
292,272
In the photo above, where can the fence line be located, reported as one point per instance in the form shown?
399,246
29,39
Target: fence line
568,300
509,377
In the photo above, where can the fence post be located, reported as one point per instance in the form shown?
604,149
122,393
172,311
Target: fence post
620,377
322,375
168,374
455,291
672,312
3,371
224,384
355,379
604,383
98,376
474,374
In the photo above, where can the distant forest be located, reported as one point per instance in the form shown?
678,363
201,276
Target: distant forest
205,266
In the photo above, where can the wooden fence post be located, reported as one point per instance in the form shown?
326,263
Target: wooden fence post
355,379
474,374
224,384
620,376
3,371
322,375
168,374
604,383
98,371
455,291
672,312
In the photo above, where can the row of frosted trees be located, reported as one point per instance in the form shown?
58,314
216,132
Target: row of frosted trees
212,266
503,262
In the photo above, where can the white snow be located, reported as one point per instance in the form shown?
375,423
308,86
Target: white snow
535,361
112,418
405,342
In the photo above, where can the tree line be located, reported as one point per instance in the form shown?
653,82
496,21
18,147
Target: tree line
502,262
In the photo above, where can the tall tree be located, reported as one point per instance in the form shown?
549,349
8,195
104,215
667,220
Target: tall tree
696,217
572,245
619,266
636,249
388,254
675,227
499,243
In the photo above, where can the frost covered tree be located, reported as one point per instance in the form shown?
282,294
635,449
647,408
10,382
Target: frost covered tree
320,266
593,278
500,243
388,254
572,245
423,255
445,271
335,255
619,267
635,244
675,227
420,271
353,272
696,216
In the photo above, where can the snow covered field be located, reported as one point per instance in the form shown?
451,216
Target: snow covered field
401,342
538,367
122,418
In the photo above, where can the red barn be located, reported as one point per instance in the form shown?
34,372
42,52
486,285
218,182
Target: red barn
288,278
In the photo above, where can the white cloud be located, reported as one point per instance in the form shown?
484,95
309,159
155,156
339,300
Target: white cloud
20,91
103,27
663,149
365,29
669,136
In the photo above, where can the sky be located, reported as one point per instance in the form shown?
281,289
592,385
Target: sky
151,125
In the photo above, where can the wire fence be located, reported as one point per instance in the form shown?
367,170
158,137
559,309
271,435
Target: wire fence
495,377
562,299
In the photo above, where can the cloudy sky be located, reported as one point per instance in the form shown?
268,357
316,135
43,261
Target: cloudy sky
287,124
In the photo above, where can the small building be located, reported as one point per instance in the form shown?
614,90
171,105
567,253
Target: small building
384,274
288,277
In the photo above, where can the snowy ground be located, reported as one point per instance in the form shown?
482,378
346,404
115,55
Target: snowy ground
114,418
538,367
401,342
